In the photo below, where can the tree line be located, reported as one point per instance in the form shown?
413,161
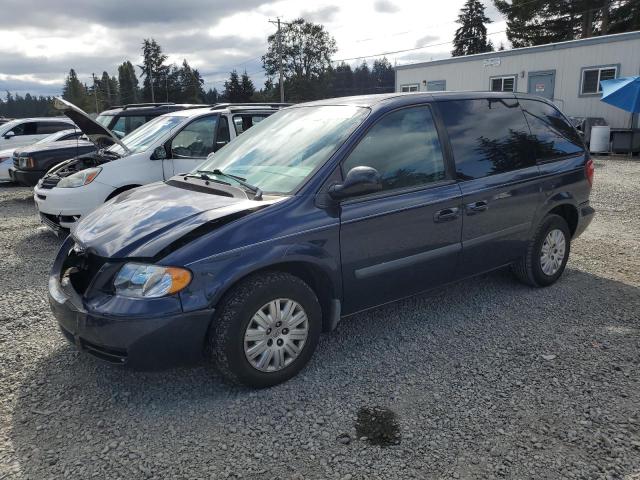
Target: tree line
309,72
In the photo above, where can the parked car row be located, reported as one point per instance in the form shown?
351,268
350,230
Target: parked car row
244,254
170,144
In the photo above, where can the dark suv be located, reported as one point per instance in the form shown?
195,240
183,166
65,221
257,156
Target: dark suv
125,119
320,211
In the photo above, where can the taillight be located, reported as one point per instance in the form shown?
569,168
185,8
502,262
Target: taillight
588,171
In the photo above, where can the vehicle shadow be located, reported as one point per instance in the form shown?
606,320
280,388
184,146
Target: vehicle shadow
71,406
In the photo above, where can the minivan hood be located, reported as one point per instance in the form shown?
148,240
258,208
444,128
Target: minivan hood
144,221
99,135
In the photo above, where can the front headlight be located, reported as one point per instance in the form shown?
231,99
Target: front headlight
26,162
78,179
138,280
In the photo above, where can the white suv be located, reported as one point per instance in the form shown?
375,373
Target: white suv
25,131
170,144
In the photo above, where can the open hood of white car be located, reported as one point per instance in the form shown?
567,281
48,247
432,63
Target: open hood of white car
99,135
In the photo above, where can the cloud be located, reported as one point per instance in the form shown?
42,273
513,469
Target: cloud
425,40
385,6
118,13
321,15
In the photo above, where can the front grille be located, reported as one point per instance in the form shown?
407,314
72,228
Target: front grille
50,221
108,354
50,181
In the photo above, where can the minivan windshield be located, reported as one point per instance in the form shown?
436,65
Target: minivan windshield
279,153
144,137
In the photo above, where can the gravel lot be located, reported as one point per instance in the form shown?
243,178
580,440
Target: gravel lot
487,378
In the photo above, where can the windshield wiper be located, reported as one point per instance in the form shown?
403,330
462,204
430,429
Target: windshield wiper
257,193
203,176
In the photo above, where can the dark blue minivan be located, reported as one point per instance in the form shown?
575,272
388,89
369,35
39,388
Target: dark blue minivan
320,211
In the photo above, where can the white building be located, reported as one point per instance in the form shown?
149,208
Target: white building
568,73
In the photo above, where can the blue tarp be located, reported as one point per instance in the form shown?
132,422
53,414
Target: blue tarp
623,93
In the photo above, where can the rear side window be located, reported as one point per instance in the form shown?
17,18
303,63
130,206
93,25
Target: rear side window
52,127
244,122
554,137
403,147
488,136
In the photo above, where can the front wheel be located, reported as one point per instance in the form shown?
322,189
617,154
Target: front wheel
266,329
547,253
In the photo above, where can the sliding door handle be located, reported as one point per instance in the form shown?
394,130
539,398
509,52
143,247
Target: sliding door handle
476,207
446,214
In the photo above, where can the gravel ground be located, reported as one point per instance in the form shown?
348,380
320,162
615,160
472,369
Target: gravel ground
484,379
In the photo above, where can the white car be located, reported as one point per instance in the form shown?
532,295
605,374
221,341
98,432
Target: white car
6,156
26,131
170,144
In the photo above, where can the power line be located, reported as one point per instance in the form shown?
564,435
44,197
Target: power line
450,41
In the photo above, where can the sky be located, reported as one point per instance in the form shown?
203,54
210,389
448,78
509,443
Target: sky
40,40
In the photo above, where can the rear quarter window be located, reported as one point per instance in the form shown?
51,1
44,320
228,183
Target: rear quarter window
554,137
488,136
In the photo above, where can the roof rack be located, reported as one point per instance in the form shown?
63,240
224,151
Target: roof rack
220,106
134,105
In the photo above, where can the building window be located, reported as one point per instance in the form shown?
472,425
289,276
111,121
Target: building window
503,84
591,78
410,88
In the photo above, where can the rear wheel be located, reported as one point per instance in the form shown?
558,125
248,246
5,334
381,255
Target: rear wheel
547,253
266,330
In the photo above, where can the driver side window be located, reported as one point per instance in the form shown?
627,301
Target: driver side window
196,140
403,147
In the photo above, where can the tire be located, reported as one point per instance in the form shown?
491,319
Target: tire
236,317
530,269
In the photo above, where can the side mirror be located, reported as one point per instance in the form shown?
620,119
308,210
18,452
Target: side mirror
9,134
359,181
160,153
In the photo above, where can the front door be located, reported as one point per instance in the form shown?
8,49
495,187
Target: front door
495,165
542,83
190,147
406,238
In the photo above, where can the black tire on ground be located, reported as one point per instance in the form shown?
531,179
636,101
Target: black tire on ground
528,269
235,311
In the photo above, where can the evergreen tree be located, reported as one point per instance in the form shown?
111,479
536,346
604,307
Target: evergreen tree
233,89
362,79
248,90
16,106
191,84
546,21
74,91
342,81
471,36
383,77
128,83
154,70
211,96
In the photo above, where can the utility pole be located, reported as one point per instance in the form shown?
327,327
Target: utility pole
153,96
280,57
280,60
95,91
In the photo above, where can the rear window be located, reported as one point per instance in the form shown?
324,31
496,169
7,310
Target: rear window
554,137
488,136
52,127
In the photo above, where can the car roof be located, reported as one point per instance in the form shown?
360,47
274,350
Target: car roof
44,119
372,100
194,112
148,108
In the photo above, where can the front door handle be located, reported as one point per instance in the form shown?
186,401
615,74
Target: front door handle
477,207
446,214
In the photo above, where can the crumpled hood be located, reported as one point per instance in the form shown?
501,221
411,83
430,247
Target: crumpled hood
144,221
